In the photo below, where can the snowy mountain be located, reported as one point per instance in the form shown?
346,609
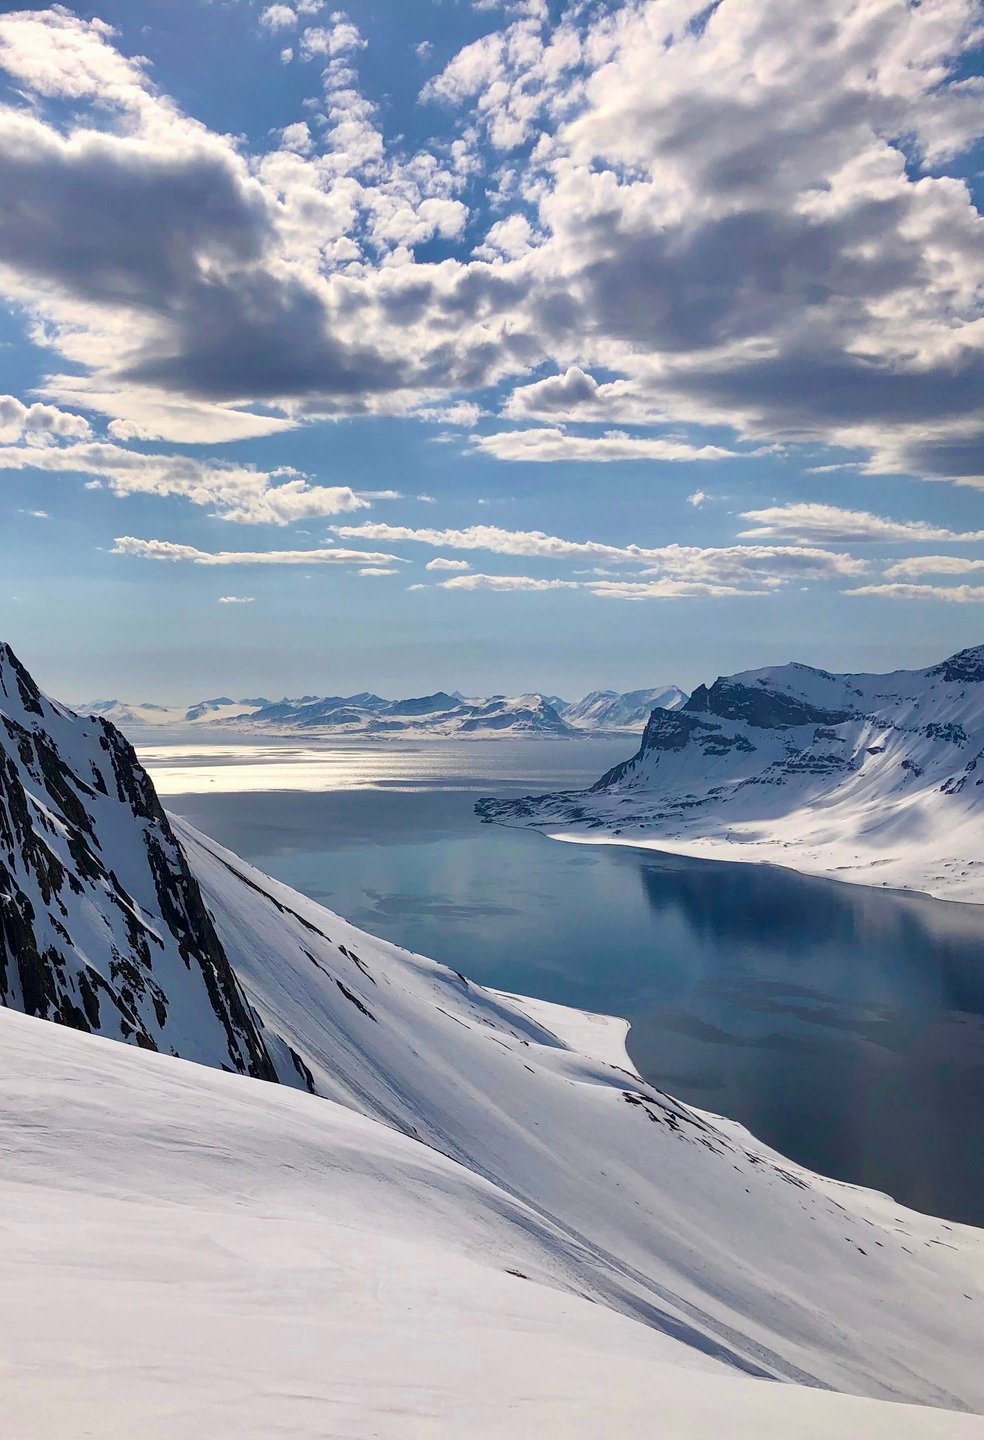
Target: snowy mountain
871,778
127,715
102,927
468,1172
608,710
442,714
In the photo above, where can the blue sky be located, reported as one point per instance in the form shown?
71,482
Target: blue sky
495,346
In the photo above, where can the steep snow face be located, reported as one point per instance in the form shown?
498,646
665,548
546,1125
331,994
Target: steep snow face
667,1215
609,710
193,1254
102,927
871,778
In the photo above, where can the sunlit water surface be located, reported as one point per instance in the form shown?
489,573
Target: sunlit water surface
843,1025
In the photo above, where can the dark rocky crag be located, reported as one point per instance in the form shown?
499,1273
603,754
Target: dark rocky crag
102,925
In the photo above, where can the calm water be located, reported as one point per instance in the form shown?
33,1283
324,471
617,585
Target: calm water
843,1025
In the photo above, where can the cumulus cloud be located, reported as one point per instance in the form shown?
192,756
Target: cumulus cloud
698,498
717,218
236,599
378,570
169,551
236,492
442,563
38,424
832,525
278,17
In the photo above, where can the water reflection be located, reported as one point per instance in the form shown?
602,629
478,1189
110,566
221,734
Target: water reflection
843,1025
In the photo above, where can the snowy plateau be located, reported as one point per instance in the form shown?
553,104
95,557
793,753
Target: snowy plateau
327,1187
875,779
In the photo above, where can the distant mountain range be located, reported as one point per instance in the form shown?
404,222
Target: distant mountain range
440,714
871,778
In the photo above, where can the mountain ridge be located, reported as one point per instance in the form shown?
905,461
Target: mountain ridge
443,714
863,777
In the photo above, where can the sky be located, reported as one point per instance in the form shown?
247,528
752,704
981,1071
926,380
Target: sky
497,345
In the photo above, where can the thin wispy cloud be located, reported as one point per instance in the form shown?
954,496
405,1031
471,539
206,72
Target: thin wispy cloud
835,526
705,563
547,446
172,553
952,594
238,493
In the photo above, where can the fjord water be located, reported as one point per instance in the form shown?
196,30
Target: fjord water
843,1025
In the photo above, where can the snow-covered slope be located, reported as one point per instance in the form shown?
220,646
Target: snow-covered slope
669,1216
609,710
101,925
206,1251
188,1253
871,778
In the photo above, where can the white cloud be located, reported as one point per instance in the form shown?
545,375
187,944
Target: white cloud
747,223
36,514
297,137
236,599
954,594
339,38
720,564
169,551
378,570
237,492
507,239
932,565
505,582
461,412
442,563
38,424
550,445
832,525
668,590
698,498
278,17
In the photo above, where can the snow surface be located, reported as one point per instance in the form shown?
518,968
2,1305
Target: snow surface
460,1212
874,779
649,1207
609,710
190,1253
